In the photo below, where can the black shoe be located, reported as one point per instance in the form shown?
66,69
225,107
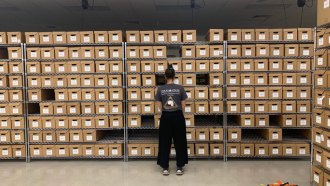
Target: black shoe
179,171
165,172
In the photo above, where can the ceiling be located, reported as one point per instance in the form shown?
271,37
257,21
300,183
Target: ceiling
49,15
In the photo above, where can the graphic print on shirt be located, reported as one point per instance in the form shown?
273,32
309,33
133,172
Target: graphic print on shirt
170,104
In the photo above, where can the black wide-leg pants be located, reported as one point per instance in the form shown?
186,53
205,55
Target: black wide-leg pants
172,126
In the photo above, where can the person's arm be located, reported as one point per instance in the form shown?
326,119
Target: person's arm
159,105
183,104
158,99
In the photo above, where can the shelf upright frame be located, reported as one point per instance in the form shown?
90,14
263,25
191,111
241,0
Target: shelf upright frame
224,95
25,105
124,45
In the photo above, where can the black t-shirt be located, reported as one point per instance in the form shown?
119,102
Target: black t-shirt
171,96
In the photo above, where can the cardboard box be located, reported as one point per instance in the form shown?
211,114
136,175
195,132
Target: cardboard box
4,67
134,66
190,122
318,135
116,52
49,136
261,65
178,79
234,134
116,94
289,150
46,37
275,150
18,151
287,120
275,64
73,37
202,51
87,122
115,36
160,36
74,122
15,37
36,151
133,36
191,134
75,150
248,35
101,37
46,81
201,107
6,151
247,120
262,35
188,66
233,65
261,149
49,67
262,49
15,67
201,93
48,122
303,120
202,149
92,135
4,95
289,92
190,91
17,123
188,51
202,134
87,52
148,94
148,80
303,149
306,50
148,150
101,66
216,134
174,36
59,108
48,150
133,52
303,106
277,50
33,53
134,108
234,50
321,58
216,150
274,106
289,79
290,34
5,123
234,35
134,150
289,106
3,38
86,37
59,37
100,80
305,34
189,36
216,106
147,36
260,79
262,120
261,107
101,107
248,50
116,150
14,53
101,122
147,107
190,107
272,134
32,67
116,122
247,93
323,14
303,64
75,53
318,175
247,149
101,52
233,149
30,38
62,151
134,121
291,50
4,110
147,66
247,65
61,52
88,80
276,34
233,78
233,106
216,51
326,178
215,93
159,52
101,150
101,94
76,136
261,93
14,95
189,79
115,80
34,136
247,106
216,79
177,65
134,93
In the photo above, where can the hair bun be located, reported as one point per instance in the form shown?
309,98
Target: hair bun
170,66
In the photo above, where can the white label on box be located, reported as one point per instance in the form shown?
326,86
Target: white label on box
73,38
275,151
88,123
5,152
100,82
47,82
275,80
202,66
115,123
49,152
303,66
59,38
304,36
233,151
233,66
101,123
88,110
261,108
86,39
15,97
326,4
161,38
49,138
216,81
275,136
174,38
14,39
2,110
290,36
247,36
74,96
114,82
289,80
75,151
147,151
302,151
262,123
247,95
45,38
189,81
3,138
201,95
233,94
318,157
247,122
292,51
134,96
62,138
134,122
248,52
262,94
115,54
48,124
149,82
31,40
232,81
234,136
215,95
216,151
187,109
260,80
320,61
201,136
2,97
306,52
318,138
34,138
288,107
36,152
101,54
146,38
61,54
101,67
61,151
115,152
233,108
132,53
201,151
201,109
87,68
115,95
216,52
202,52
234,51
263,51
319,81
233,37
216,136
188,53
45,110
188,123
146,96
146,53
18,153
76,138
4,123
216,66
303,109
59,110
248,109
101,152
33,54
274,107
147,67
276,65
276,37
261,65
34,82
261,151
88,96
303,122
75,54
115,37
134,108
189,37
288,122
247,66
14,55
46,54
288,150
160,68
61,123
101,110
188,136
159,53
2,69
60,69
89,138
74,123
15,110
15,68
101,38
115,110
247,151
33,69
276,52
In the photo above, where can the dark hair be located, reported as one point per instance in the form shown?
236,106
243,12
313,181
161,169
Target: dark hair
170,72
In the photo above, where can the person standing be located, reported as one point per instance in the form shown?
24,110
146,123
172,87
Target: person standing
170,99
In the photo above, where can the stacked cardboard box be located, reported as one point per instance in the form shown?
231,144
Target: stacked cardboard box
269,89
321,130
146,66
12,133
75,93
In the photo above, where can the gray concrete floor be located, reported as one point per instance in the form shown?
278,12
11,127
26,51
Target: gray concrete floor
136,173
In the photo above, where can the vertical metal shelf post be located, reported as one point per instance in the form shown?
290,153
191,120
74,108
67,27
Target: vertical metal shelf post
125,103
224,95
312,101
25,102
